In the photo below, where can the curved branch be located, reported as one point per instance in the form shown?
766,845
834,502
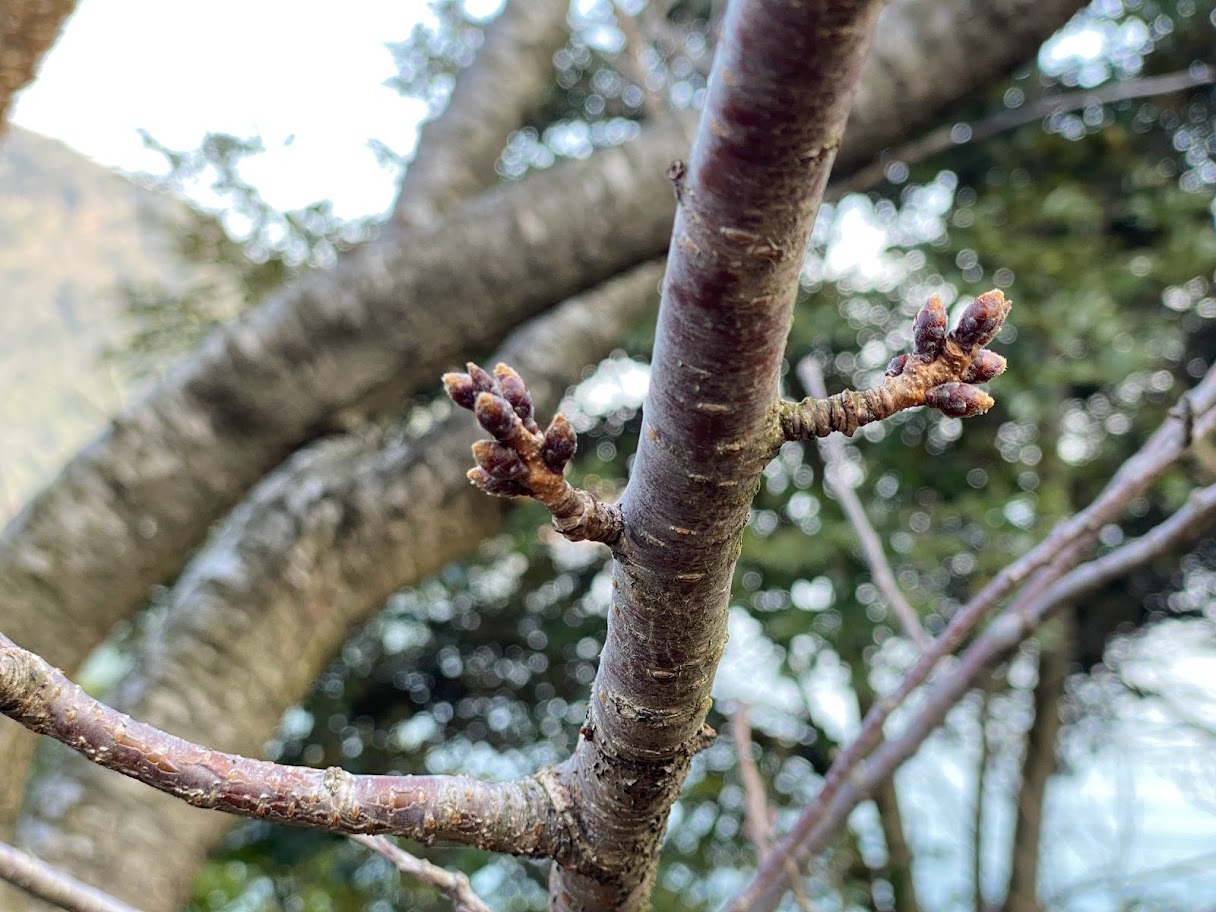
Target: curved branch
39,879
454,886
515,818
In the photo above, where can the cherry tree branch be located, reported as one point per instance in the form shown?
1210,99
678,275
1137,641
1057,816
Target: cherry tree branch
833,450
1194,417
56,887
454,886
516,818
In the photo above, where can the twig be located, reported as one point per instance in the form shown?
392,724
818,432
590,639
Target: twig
956,134
833,449
455,886
1051,559
57,887
516,817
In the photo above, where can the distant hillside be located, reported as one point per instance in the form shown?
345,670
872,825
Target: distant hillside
71,234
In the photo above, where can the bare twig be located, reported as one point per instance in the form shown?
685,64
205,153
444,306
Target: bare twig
56,887
833,450
1194,418
956,134
508,817
453,885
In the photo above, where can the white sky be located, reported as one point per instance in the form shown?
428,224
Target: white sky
277,68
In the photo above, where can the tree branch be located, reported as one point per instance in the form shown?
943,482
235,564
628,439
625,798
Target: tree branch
454,886
832,449
516,818
315,549
1194,417
40,879
457,150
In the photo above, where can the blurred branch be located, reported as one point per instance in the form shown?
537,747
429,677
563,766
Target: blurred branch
959,133
835,456
28,28
457,150
454,886
516,818
56,887
630,60
1194,417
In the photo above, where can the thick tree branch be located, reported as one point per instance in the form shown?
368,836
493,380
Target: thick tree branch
315,549
40,879
1040,570
832,449
511,817
28,28
780,91
454,886
457,150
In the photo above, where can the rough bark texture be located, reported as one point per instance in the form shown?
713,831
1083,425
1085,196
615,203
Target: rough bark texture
780,92
457,151
28,28
315,549
1038,764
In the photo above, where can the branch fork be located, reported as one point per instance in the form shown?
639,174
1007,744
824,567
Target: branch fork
523,462
939,372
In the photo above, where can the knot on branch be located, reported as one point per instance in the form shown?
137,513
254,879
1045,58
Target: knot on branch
521,461
939,372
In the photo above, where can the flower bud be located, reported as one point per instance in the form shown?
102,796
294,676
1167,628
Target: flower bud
982,320
929,330
560,444
896,365
958,400
496,415
984,366
501,462
491,485
515,391
461,389
483,379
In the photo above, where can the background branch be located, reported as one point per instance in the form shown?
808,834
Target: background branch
454,885
56,887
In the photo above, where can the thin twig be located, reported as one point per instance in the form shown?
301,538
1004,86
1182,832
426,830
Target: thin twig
455,886
957,134
835,456
53,885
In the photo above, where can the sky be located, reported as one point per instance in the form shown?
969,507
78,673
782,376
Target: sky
309,81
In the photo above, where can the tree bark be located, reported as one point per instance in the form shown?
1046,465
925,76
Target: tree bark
780,92
28,28
1038,764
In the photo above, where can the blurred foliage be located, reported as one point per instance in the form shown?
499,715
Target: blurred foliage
1098,223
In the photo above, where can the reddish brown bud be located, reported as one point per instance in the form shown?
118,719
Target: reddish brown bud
491,485
461,389
984,366
515,391
958,400
929,330
501,462
481,377
896,366
982,320
496,415
560,444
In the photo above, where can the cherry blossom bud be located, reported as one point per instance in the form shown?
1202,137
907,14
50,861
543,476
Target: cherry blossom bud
491,485
461,389
984,366
982,320
929,330
560,444
501,462
515,391
483,378
896,366
958,400
496,415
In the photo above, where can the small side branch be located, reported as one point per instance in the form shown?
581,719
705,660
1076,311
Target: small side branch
516,818
455,887
523,462
55,886
938,372
833,451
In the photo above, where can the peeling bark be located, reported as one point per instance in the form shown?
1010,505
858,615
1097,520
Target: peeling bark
780,92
